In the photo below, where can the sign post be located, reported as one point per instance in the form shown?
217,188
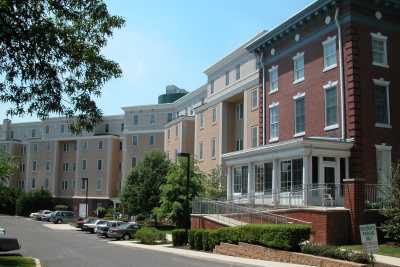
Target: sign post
369,238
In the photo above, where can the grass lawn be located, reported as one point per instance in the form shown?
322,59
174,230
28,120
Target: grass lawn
16,261
383,250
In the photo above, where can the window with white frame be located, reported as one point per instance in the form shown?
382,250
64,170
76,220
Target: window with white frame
84,182
62,128
33,183
34,165
201,115
152,118
85,145
239,111
331,121
299,114
382,104
259,178
99,184
135,119
66,147
46,183
84,164
133,162
33,132
227,78
176,131
47,129
134,140
65,184
201,150
47,164
100,145
213,147
379,49
384,164
237,72
214,116
254,99
291,175
274,122
66,167
122,127
254,136
212,87
298,67
99,164
239,144
35,148
240,182
329,46
151,140
168,134
273,79
48,146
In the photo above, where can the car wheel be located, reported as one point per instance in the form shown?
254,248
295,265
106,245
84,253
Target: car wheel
106,236
59,221
126,236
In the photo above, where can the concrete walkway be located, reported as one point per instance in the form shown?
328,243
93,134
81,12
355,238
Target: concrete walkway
387,260
204,255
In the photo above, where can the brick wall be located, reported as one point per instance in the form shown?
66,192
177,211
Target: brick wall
199,222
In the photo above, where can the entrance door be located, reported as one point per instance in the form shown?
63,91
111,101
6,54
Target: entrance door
82,210
330,182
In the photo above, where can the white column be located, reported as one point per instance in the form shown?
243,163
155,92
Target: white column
275,182
337,179
250,183
229,183
306,178
321,178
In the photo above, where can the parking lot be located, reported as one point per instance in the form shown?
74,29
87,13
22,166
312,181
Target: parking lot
58,245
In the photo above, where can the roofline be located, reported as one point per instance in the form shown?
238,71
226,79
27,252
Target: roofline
298,16
148,107
194,93
237,52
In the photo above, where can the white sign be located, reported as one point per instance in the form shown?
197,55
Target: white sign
369,238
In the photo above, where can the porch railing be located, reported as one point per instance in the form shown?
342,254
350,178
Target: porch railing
234,214
378,196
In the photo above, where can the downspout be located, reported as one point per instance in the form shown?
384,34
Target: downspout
263,96
341,76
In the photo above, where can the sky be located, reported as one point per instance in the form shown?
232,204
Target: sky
173,42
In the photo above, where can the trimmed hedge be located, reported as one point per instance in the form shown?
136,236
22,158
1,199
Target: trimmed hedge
179,237
337,253
150,236
280,236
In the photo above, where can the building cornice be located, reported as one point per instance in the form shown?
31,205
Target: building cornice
178,119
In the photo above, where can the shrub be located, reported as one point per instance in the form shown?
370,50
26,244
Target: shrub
179,237
279,236
337,253
8,199
61,207
34,201
101,212
149,235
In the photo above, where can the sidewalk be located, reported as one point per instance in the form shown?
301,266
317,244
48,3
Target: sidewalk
204,255
387,260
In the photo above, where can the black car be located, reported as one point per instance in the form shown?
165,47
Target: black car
125,231
102,229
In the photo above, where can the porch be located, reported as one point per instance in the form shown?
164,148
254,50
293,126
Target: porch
303,172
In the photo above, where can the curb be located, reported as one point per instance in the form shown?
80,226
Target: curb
37,262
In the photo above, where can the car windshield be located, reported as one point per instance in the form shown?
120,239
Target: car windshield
124,226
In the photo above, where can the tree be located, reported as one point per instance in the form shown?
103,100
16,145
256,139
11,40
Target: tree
391,226
141,193
8,166
34,201
215,184
50,58
8,199
173,192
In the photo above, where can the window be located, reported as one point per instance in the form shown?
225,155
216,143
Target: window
330,106
329,46
47,164
254,136
169,117
213,147
62,128
268,169
239,111
299,122
227,78
214,116
122,127
237,72
65,184
201,150
46,183
84,182
176,130
107,128
254,99
33,132
298,67
379,50
74,166
48,146
35,148
151,140
99,184
85,145
291,175
212,87
11,135
239,144
66,167
259,178
201,120
383,164
135,119
240,180
34,165
100,145
84,164
133,162
382,106
274,122
99,164
273,79
152,118
169,133
33,183
120,146
47,129
66,147
134,140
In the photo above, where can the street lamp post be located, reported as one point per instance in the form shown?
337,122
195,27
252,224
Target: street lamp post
187,156
86,183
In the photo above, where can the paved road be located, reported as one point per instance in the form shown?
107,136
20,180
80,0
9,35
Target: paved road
71,248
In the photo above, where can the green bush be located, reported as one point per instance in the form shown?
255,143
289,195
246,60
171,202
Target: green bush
34,201
279,236
179,237
337,253
61,207
101,212
8,199
150,235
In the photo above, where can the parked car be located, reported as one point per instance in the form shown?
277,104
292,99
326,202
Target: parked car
46,217
36,215
2,231
8,244
61,216
83,223
90,227
43,215
125,231
102,229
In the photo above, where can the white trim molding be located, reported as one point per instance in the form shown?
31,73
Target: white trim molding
328,41
330,84
379,36
299,95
